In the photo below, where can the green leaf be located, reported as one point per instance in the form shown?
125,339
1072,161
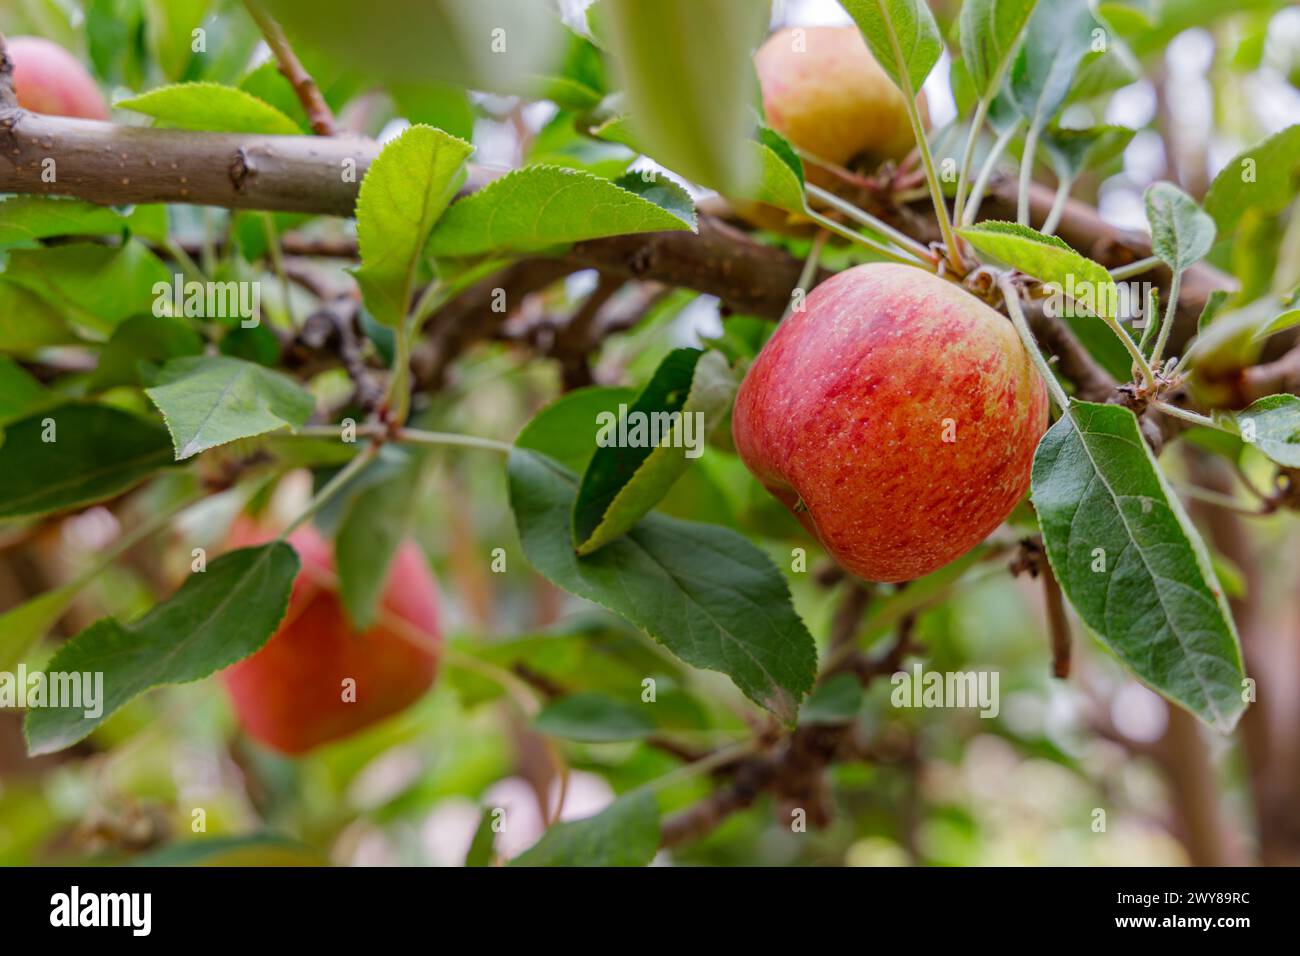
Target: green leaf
95,286
498,46
1058,36
566,430
218,617
578,82
210,400
76,455
1272,425
1048,259
22,627
1131,563
780,177
169,26
258,850
20,394
1074,150
990,32
482,846
376,522
1279,323
28,322
902,36
835,702
439,105
622,484
138,344
593,718
1181,232
1235,338
541,206
268,84
1214,303
561,143
405,191
690,85
213,107
704,592
1104,71
26,219
1264,178
626,833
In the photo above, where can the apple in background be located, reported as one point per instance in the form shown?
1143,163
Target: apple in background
896,416
825,92
291,695
49,79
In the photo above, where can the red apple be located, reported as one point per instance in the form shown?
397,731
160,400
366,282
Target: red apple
49,79
291,694
825,92
896,415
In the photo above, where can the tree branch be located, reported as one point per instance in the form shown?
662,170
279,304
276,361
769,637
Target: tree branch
318,111
117,165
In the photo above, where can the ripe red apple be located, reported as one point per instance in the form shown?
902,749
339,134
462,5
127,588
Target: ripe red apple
291,695
896,416
49,79
825,92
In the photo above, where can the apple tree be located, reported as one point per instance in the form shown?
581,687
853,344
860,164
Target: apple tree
586,433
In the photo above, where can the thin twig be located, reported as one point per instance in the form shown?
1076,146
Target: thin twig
309,94
1058,623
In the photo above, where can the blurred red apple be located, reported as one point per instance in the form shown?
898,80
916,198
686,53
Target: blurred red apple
825,92
49,79
896,415
292,696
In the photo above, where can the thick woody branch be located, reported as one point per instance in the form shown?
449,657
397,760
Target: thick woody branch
109,163
116,165
1281,375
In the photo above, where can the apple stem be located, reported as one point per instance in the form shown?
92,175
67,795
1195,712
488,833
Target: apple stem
1012,299
332,487
719,758
852,234
1152,317
968,156
860,215
972,207
414,436
809,271
1218,500
1168,323
276,255
517,690
1026,174
1058,207
418,437
1134,268
923,145
1189,416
